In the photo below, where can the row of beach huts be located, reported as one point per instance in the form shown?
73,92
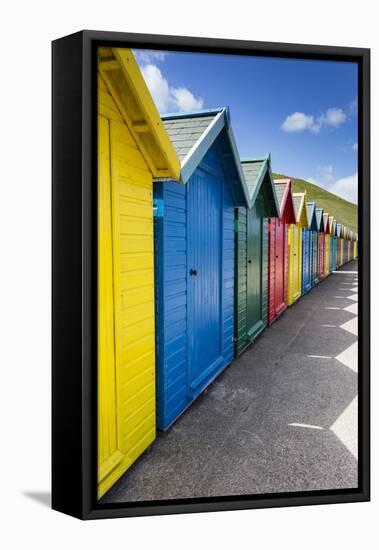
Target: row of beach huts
198,252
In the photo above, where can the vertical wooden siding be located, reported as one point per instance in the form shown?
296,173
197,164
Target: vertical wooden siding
294,263
174,393
170,249
265,272
314,258
242,339
271,270
327,255
126,374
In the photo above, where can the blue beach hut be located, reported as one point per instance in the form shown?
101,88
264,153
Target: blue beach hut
308,246
194,259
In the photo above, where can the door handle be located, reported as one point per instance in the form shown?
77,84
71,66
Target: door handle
249,261
193,272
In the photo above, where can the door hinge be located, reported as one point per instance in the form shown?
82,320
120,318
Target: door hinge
158,208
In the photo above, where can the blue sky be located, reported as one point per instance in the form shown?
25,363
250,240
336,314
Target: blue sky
302,112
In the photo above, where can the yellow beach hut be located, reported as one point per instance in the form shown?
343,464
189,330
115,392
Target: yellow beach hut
133,148
295,248
355,246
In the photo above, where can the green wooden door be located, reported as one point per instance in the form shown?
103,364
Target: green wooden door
254,269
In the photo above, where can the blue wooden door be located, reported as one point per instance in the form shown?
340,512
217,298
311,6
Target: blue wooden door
204,214
307,260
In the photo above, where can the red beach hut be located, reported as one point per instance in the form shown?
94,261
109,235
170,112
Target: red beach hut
278,250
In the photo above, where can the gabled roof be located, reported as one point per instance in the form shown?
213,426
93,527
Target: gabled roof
259,181
331,225
125,83
311,215
192,135
326,223
320,220
284,195
339,230
300,209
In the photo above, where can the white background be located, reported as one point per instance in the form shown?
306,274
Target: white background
27,29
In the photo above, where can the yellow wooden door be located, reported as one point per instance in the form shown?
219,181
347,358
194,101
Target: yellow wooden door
298,261
294,263
291,264
327,255
126,345
109,453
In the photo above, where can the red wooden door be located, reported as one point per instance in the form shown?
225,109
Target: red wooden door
279,265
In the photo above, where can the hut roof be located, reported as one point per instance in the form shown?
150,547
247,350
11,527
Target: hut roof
320,220
326,223
259,181
284,195
311,214
331,225
192,135
300,208
122,76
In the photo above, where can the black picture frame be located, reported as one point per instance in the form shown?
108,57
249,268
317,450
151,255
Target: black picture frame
74,273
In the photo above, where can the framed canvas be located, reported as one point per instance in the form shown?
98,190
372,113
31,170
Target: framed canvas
211,274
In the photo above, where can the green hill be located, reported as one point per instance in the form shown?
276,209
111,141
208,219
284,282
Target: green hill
345,212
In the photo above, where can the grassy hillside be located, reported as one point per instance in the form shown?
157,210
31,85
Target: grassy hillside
344,211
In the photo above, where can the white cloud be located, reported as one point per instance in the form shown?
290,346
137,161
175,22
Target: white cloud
355,147
333,117
326,172
347,188
185,100
298,122
158,86
353,106
166,97
144,57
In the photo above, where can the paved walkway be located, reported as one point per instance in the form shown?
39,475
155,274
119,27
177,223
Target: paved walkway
282,417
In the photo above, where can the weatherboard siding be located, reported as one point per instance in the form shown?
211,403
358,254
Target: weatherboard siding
171,300
126,297
272,270
242,339
265,253
241,279
228,266
174,391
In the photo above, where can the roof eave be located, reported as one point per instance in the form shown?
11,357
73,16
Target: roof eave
233,146
194,157
149,118
265,169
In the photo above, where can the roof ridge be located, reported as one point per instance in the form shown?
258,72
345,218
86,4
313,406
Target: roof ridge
255,159
192,114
